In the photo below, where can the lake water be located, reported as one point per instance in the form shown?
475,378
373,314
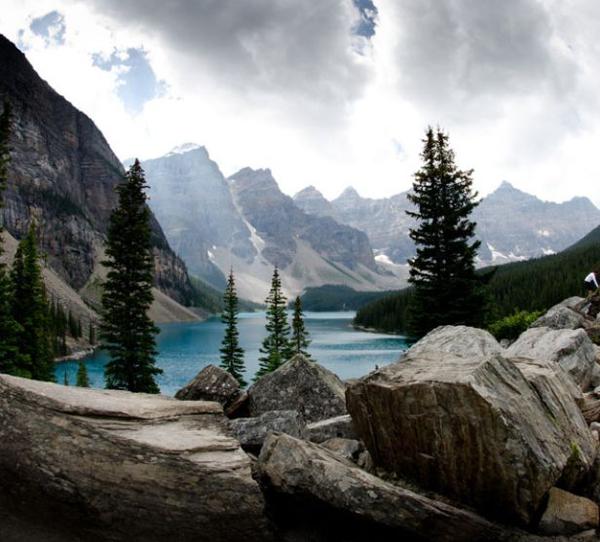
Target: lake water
185,348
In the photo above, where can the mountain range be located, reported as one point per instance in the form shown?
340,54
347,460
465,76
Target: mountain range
512,225
245,223
62,175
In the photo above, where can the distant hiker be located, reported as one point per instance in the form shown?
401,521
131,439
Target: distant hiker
591,281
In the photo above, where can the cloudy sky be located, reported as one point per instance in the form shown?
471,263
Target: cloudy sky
336,92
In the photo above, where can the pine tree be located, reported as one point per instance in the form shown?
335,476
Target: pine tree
446,289
83,380
276,346
127,332
32,312
232,354
300,340
9,328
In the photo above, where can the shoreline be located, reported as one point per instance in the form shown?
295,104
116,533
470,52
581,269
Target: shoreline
375,330
78,355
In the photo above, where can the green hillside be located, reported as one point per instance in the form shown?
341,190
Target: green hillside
532,285
338,298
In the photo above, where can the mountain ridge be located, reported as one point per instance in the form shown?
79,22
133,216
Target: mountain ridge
536,227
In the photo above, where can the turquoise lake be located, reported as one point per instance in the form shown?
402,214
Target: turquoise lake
185,348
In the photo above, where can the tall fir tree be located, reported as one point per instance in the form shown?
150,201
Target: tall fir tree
9,328
276,345
32,312
83,380
127,332
300,341
446,289
232,354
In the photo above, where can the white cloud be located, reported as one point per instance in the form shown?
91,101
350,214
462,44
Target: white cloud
279,84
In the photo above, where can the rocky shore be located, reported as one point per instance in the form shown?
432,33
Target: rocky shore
461,440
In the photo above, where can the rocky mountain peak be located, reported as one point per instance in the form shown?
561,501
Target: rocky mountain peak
349,194
313,202
186,148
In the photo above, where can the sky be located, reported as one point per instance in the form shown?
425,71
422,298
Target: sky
334,93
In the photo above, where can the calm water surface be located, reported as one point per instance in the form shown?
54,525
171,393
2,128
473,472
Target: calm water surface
185,348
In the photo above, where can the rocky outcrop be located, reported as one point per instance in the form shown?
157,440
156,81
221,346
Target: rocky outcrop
338,427
568,514
301,385
135,466
63,174
572,349
459,425
562,316
357,505
252,432
211,384
459,340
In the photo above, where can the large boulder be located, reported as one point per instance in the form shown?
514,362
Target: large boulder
474,429
302,385
459,340
352,504
211,384
572,349
568,514
252,432
562,316
132,466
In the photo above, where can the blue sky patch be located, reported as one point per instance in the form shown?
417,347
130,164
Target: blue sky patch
368,15
137,82
51,27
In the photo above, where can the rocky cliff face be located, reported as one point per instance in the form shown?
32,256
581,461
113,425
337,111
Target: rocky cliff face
63,173
535,228
246,223
280,222
191,198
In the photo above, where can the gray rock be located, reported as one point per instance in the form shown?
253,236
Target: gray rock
572,349
359,504
346,448
568,514
133,466
251,432
338,427
211,384
474,429
459,340
301,385
595,378
561,316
